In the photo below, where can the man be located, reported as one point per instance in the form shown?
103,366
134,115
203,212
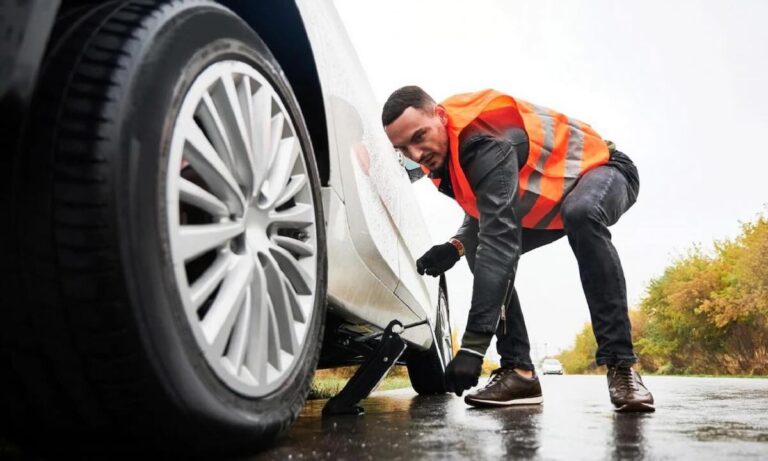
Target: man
525,176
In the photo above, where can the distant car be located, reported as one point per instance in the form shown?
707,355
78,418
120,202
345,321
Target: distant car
552,367
200,207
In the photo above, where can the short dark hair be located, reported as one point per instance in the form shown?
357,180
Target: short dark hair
403,98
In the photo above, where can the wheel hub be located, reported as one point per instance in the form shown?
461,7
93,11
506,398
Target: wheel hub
256,227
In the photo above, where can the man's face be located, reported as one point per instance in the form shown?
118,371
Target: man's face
421,136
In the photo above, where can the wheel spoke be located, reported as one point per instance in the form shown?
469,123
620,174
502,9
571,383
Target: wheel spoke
206,161
245,99
299,216
256,352
217,323
297,247
195,195
239,339
273,343
209,280
239,135
211,122
281,304
277,125
301,281
198,238
296,304
297,183
261,114
282,167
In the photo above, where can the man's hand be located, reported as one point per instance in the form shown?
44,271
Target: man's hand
463,372
438,259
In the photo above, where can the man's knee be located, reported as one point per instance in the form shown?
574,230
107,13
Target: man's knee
580,215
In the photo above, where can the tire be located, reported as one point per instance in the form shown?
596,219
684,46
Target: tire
126,325
426,369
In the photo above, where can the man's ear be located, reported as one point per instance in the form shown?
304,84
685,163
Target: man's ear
441,114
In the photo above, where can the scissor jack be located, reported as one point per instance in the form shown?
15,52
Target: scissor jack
371,372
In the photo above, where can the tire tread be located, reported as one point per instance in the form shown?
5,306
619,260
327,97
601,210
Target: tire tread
87,377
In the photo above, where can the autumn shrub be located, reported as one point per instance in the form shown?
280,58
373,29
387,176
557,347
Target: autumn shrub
706,314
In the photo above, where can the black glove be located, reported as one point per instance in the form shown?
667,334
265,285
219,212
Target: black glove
463,372
438,259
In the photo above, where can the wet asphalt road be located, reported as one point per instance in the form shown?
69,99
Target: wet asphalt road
696,418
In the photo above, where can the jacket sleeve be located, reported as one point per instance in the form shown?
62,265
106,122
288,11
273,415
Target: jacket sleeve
491,166
467,235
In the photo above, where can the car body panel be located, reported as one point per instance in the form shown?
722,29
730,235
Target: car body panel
413,241
383,221
374,305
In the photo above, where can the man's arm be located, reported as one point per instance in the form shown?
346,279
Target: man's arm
467,236
467,233
491,166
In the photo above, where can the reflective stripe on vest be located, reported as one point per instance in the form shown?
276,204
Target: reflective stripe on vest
561,149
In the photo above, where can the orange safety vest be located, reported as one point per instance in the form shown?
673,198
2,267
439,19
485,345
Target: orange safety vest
561,149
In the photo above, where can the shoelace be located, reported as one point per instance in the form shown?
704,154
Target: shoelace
625,378
496,375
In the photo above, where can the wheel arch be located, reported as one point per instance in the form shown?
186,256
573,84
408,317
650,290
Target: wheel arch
280,26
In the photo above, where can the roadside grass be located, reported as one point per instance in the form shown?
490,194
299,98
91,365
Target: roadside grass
328,383
707,376
602,371
325,388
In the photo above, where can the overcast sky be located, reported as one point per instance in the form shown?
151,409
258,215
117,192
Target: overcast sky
681,87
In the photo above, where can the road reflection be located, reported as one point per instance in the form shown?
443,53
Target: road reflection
513,430
520,429
420,426
628,435
576,422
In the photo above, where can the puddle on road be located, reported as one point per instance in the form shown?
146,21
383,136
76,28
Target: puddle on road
730,431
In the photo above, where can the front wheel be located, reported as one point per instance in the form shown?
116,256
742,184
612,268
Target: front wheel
172,247
426,369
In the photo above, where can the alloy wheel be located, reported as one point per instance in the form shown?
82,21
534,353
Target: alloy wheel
242,227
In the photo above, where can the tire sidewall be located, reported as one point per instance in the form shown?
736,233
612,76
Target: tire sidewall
197,35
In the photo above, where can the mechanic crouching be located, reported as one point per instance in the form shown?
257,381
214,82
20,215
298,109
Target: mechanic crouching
525,176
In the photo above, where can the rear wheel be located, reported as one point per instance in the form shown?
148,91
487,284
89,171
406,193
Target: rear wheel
426,369
171,247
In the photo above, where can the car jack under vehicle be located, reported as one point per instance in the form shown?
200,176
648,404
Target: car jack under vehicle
371,372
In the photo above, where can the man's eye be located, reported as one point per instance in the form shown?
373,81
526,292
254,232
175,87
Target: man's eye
419,137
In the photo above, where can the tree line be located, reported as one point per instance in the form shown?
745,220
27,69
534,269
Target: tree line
707,313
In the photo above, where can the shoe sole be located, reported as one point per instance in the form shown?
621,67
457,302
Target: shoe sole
505,403
635,408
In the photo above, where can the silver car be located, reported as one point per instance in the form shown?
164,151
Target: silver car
200,208
551,366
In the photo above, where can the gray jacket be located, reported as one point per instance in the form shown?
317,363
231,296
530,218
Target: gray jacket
493,242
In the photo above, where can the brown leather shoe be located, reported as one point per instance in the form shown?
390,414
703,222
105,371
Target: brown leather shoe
627,391
505,387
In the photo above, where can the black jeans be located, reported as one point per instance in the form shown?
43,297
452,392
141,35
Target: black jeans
597,201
